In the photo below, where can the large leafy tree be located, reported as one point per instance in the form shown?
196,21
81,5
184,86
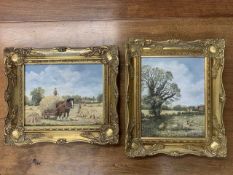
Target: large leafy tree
37,95
161,88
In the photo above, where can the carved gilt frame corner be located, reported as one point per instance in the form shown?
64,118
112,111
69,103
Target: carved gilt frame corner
16,133
214,142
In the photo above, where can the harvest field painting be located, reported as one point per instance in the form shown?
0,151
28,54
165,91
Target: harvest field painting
172,97
67,94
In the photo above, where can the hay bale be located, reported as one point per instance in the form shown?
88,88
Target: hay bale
33,118
49,103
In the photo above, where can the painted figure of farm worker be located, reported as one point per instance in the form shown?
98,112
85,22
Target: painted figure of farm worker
55,93
79,107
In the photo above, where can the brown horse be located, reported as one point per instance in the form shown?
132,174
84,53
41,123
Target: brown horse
63,107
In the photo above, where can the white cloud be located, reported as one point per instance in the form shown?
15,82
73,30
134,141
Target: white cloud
66,80
192,92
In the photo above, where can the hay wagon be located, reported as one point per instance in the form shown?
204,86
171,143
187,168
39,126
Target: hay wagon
48,106
46,114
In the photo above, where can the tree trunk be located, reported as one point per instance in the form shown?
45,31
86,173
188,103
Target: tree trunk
156,110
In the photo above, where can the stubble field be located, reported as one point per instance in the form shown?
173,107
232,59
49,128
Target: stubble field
88,114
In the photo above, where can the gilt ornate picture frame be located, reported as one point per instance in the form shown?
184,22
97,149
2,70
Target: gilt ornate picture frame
61,95
175,98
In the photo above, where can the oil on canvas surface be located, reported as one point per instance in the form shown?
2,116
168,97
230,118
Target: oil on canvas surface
172,97
67,94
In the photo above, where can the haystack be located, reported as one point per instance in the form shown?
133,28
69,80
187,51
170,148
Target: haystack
49,102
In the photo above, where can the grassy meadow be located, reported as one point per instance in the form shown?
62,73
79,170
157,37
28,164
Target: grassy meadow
173,124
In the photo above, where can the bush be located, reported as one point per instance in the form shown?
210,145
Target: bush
37,95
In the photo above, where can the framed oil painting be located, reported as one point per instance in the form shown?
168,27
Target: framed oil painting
175,98
61,95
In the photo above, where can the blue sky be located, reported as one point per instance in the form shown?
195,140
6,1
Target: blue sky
188,73
75,79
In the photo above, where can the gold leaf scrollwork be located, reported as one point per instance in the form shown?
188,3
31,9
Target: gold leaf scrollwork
95,51
107,135
61,141
214,145
15,131
219,141
215,50
61,49
217,63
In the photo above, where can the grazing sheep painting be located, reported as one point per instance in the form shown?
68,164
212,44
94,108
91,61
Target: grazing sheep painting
70,94
172,97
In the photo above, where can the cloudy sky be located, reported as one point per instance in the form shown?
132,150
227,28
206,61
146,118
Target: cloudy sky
79,79
188,73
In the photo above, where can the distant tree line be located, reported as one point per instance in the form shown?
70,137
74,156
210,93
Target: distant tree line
177,108
80,99
38,93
